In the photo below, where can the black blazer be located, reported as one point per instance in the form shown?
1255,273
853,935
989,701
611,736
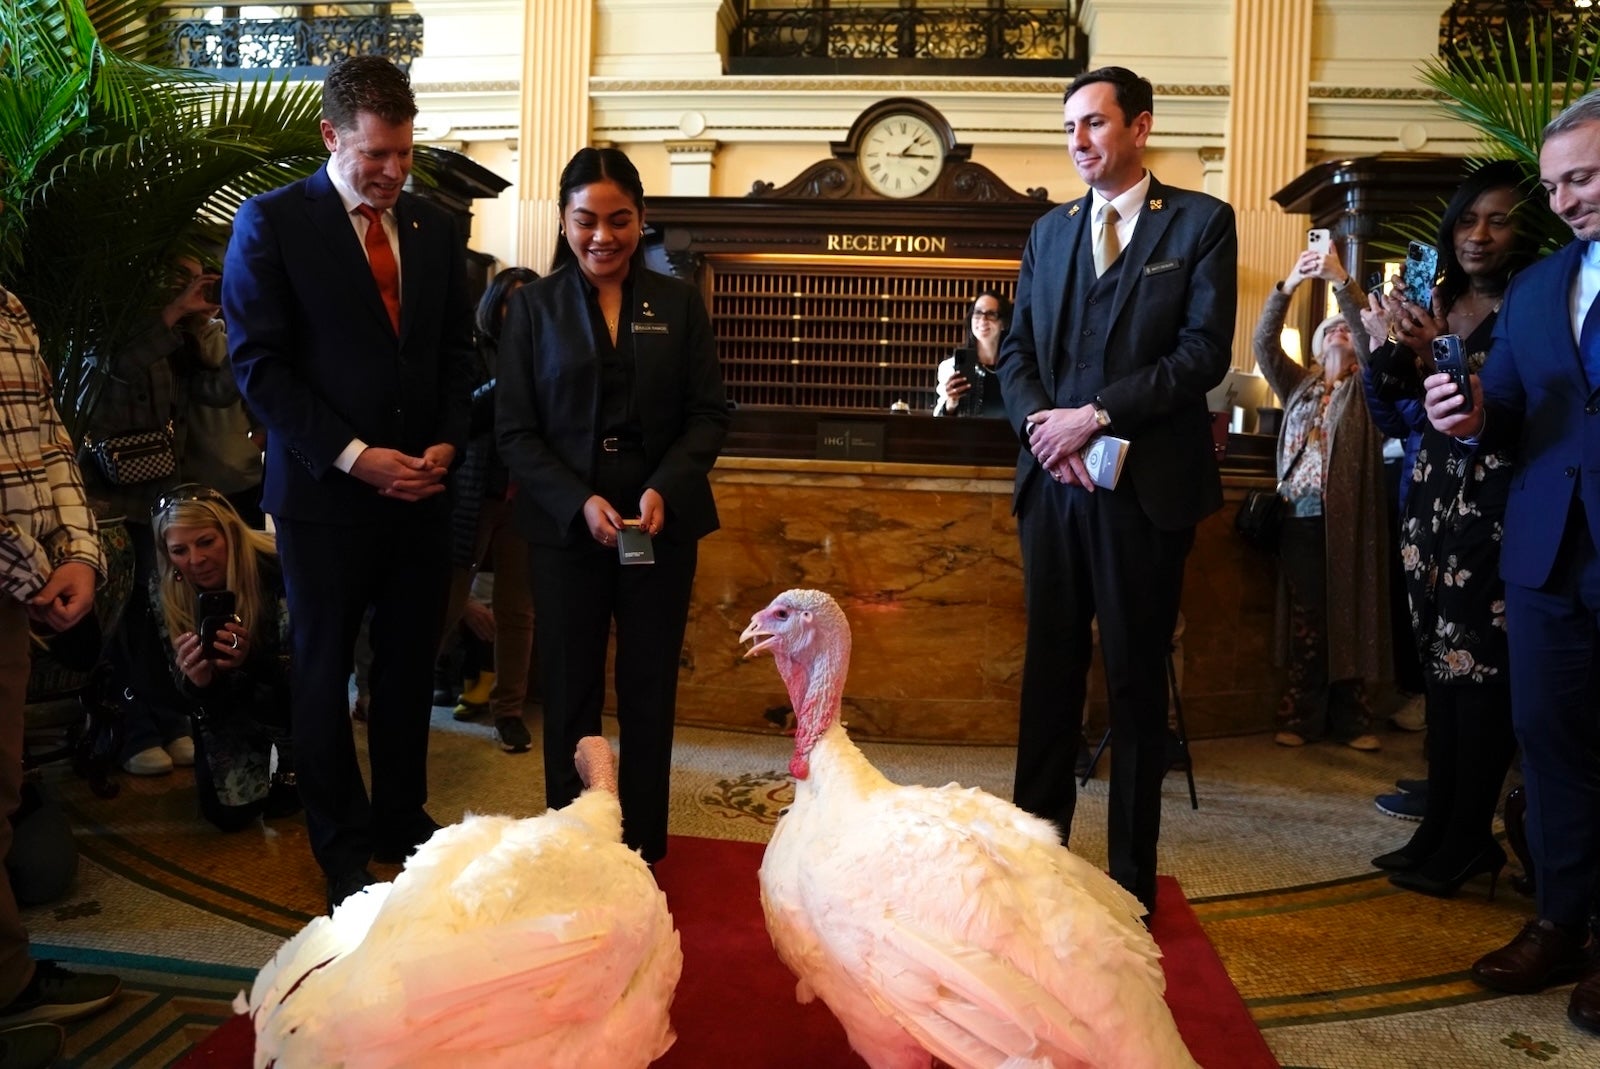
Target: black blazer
547,403
317,360
1172,321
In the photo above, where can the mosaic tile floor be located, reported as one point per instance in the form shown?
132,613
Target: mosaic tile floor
1341,970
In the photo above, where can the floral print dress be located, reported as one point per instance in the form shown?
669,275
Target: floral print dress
1450,550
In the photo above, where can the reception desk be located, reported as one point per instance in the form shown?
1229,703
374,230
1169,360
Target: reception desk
924,560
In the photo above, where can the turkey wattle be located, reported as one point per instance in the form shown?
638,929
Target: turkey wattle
537,942
942,922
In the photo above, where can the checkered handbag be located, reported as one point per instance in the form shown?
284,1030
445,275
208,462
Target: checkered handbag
136,456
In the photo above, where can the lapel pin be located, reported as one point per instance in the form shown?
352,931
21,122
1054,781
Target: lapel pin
1155,204
414,225
647,310
1074,210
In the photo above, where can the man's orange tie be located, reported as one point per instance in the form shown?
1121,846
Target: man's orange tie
384,270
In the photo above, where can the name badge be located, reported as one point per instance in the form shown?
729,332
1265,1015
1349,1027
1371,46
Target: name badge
1162,265
650,328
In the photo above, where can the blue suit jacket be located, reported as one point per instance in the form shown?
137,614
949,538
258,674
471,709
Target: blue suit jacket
1172,321
316,357
1537,395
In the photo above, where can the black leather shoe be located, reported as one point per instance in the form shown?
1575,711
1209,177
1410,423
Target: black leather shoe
393,847
347,883
1396,861
1583,1009
1543,954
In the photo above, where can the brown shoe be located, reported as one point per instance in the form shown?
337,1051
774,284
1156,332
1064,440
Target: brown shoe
1543,954
1584,1008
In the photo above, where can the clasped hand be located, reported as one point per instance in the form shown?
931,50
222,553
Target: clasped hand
604,521
404,477
1057,441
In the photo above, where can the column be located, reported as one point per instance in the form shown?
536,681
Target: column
555,117
1266,144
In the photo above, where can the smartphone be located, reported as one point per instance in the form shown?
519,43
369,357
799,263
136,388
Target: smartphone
966,360
1375,282
1449,359
1420,272
216,608
1319,239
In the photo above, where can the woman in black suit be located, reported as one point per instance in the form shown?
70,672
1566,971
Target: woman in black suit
610,414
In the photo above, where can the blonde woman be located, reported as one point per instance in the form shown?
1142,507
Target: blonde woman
218,578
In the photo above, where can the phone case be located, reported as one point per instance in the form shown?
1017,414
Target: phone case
1319,239
1449,359
1420,272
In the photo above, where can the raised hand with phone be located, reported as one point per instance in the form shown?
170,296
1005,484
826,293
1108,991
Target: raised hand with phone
966,385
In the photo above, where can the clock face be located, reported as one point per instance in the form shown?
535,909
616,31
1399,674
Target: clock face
901,155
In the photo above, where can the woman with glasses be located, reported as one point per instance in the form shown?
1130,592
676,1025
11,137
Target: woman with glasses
974,390
237,675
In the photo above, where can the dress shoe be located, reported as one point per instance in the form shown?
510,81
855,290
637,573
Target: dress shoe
1396,861
1583,1009
1442,881
1544,953
347,883
393,847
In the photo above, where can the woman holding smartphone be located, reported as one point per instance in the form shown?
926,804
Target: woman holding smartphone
1450,539
236,675
972,388
610,413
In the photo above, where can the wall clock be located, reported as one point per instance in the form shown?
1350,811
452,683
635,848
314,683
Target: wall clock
901,154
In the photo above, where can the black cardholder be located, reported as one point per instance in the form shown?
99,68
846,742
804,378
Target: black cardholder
633,544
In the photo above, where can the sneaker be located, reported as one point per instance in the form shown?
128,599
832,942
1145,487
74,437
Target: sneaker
1412,716
1401,806
58,994
513,734
153,761
31,1046
181,750
1411,786
1365,743
1289,738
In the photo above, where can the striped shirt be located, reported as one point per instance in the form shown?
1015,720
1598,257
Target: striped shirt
44,518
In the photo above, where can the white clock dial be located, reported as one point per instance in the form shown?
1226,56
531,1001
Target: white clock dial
901,155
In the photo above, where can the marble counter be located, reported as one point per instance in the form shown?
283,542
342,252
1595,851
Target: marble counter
925,562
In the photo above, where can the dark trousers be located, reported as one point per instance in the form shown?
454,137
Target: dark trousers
1555,706
1470,744
577,592
16,965
332,574
1086,555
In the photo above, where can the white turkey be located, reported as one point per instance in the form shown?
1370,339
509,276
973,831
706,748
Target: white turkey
942,922
539,942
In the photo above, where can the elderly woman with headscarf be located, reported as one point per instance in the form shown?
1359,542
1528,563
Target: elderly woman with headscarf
1333,554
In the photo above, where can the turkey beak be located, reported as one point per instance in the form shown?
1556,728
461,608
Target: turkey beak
758,631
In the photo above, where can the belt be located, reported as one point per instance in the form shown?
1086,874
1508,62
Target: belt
620,445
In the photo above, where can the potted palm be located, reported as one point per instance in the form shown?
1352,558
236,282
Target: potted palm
113,163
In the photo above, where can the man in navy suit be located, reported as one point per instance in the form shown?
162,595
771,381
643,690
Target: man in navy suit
1540,389
1123,320
350,329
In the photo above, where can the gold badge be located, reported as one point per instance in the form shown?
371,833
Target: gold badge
1155,204
1073,210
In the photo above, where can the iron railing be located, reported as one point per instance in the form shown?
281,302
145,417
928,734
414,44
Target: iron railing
911,37
1477,28
301,40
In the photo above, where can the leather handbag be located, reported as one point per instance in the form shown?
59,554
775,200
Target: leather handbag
1260,519
135,457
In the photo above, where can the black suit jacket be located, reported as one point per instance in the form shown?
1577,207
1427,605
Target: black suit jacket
1172,322
547,403
317,359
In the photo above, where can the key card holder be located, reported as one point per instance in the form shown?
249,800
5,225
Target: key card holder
633,544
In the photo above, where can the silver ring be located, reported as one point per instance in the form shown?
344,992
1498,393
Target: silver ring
235,642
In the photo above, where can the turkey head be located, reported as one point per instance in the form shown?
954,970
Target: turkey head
809,639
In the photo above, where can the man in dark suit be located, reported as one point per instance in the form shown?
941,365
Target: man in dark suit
1540,391
350,329
1123,321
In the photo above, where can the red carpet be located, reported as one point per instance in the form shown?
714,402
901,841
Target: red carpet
735,1004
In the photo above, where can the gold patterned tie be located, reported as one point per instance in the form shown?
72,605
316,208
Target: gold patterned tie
1107,246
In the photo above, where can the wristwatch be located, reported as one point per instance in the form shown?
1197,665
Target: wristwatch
1101,416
